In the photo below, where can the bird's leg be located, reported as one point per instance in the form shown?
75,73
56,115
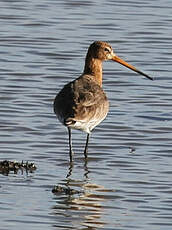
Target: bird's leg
71,153
86,146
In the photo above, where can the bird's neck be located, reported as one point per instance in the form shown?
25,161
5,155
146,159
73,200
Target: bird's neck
93,66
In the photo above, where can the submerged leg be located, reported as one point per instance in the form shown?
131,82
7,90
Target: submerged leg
70,145
86,146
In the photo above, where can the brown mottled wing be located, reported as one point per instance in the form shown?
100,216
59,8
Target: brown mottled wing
81,99
64,103
90,99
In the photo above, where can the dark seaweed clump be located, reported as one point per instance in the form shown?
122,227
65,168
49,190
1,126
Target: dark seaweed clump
14,166
68,191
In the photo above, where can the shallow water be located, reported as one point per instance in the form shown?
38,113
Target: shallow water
126,183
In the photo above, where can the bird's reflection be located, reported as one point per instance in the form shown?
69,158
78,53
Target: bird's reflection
79,202
71,166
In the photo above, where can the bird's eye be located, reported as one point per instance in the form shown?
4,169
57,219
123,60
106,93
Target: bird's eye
107,50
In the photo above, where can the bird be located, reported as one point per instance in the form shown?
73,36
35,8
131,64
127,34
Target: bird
82,103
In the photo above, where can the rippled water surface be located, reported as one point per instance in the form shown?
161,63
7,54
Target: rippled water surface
127,181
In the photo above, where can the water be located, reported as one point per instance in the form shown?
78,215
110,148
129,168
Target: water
127,181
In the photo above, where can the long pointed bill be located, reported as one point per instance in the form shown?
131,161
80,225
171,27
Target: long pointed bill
122,62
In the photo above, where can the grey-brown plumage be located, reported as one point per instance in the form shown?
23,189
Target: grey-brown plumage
82,104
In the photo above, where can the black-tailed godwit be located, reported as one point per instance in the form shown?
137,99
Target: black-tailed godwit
82,104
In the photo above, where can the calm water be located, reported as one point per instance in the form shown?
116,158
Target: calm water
43,46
